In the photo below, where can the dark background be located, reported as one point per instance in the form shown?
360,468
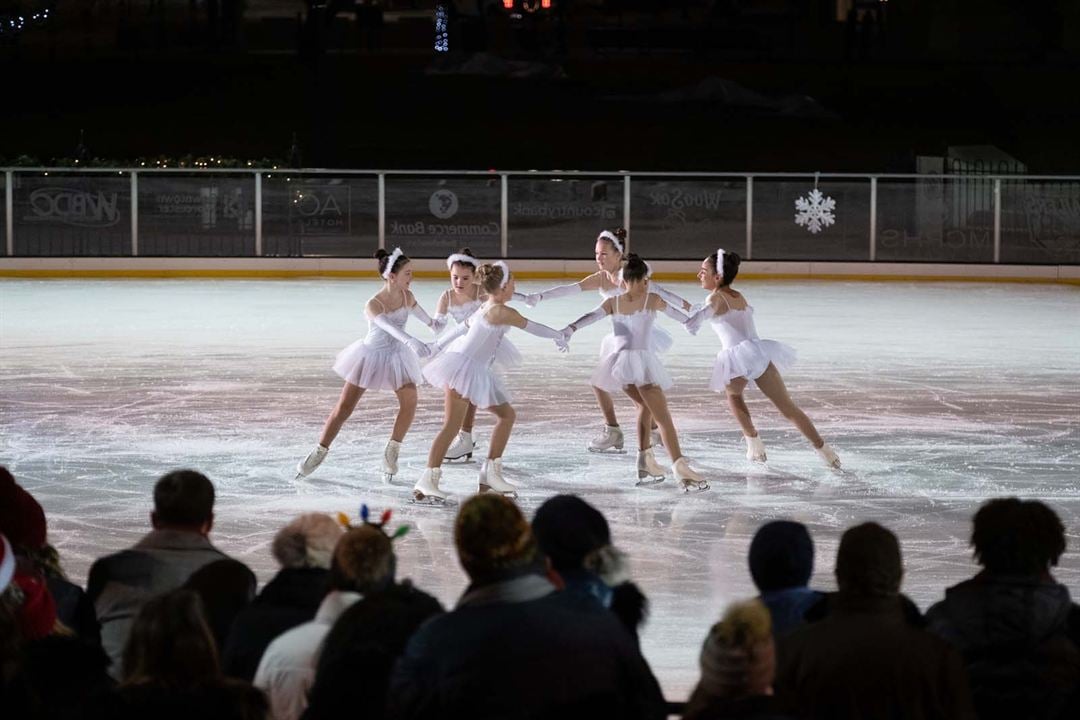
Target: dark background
770,85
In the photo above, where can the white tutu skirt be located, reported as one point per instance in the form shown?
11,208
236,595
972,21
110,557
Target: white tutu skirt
375,367
630,367
749,359
660,341
473,379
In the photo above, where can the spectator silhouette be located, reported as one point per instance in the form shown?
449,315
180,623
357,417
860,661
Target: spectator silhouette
781,562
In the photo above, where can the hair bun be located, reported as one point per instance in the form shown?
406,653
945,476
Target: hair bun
380,254
466,251
620,233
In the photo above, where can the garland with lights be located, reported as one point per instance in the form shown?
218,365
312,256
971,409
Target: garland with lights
194,162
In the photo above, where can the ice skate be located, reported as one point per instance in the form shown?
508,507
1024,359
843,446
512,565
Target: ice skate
491,479
755,449
609,440
648,470
829,456
426,491
688,479
314,459
389,460
462,449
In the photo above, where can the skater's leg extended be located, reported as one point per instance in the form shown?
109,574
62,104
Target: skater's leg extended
653,398
500,434
406,395
644,418
455,408
772,384
738,407
350,395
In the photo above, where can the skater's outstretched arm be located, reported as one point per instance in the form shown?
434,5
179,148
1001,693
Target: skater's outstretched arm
556,292
420,314
441,308
668,296
597,313
656,303
699,316
509,316
375,312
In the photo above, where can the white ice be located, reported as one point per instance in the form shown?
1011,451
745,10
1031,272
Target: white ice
936,396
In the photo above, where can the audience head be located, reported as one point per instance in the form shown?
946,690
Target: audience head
225,587
781,556
170,643
1018,537
575,536
868,562
22,518
184,500
493,539
363,560
738,658
307,542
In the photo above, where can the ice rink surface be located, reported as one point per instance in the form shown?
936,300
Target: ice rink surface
935,395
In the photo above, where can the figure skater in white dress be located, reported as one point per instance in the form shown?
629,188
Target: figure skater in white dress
459,302
384,359
634,367
611,253
747,357
464,368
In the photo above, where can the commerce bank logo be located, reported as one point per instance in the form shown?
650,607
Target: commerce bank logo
443,204
74,207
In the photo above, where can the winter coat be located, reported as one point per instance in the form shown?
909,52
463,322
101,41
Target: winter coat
119,584
1014,635
866,658
290,598
788,607
517,649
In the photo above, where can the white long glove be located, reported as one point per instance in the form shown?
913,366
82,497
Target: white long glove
541,330
420,348
450,337
676,314
550,294
439,322
420,314
698,316
598,313
669,297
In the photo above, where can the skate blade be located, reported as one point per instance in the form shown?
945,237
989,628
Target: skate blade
419,498
388,478
466,458
512,494
695,487
649,480
758,460
608,451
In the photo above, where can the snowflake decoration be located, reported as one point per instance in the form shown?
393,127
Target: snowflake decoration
816,212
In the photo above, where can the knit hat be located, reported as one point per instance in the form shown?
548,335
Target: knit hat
738,657
868,561
21,516
781,556
567,529
37,611
7,563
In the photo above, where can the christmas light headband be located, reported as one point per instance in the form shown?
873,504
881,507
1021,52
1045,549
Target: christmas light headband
390,262
365,519
720,264
506,272
461,258
608,235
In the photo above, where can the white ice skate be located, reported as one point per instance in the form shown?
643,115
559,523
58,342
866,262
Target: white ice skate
688,479
462,449
389,460
609,440
755,449
491,479
314,459
829,456
648,470
426,491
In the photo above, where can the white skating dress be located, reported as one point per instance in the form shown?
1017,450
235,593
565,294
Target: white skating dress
744,354
466,364
380,361
633,359
506,354
661,340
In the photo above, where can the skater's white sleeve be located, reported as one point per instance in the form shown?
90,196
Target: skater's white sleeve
520,297
419,347
669,297
439,322
459,330
541,330
552,293
599,313
420,314
698,317
676,314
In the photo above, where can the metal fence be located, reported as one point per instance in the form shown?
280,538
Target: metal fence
127,212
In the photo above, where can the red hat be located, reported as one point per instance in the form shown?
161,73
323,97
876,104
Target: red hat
21,516
37,612
7,563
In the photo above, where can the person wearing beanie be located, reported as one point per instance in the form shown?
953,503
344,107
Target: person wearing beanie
163,560
781,561
22,519
363,563
1017,628
738,665
575,538
303,549
863,652
513,646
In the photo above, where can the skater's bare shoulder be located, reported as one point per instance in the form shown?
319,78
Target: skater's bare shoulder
444,303
375,306
504,315
608,305
592,282
655,302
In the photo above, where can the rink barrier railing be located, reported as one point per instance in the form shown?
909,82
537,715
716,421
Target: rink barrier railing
969,199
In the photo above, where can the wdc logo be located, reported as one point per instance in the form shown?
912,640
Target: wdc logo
443,204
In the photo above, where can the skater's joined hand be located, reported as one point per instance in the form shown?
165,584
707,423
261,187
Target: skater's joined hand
531,299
